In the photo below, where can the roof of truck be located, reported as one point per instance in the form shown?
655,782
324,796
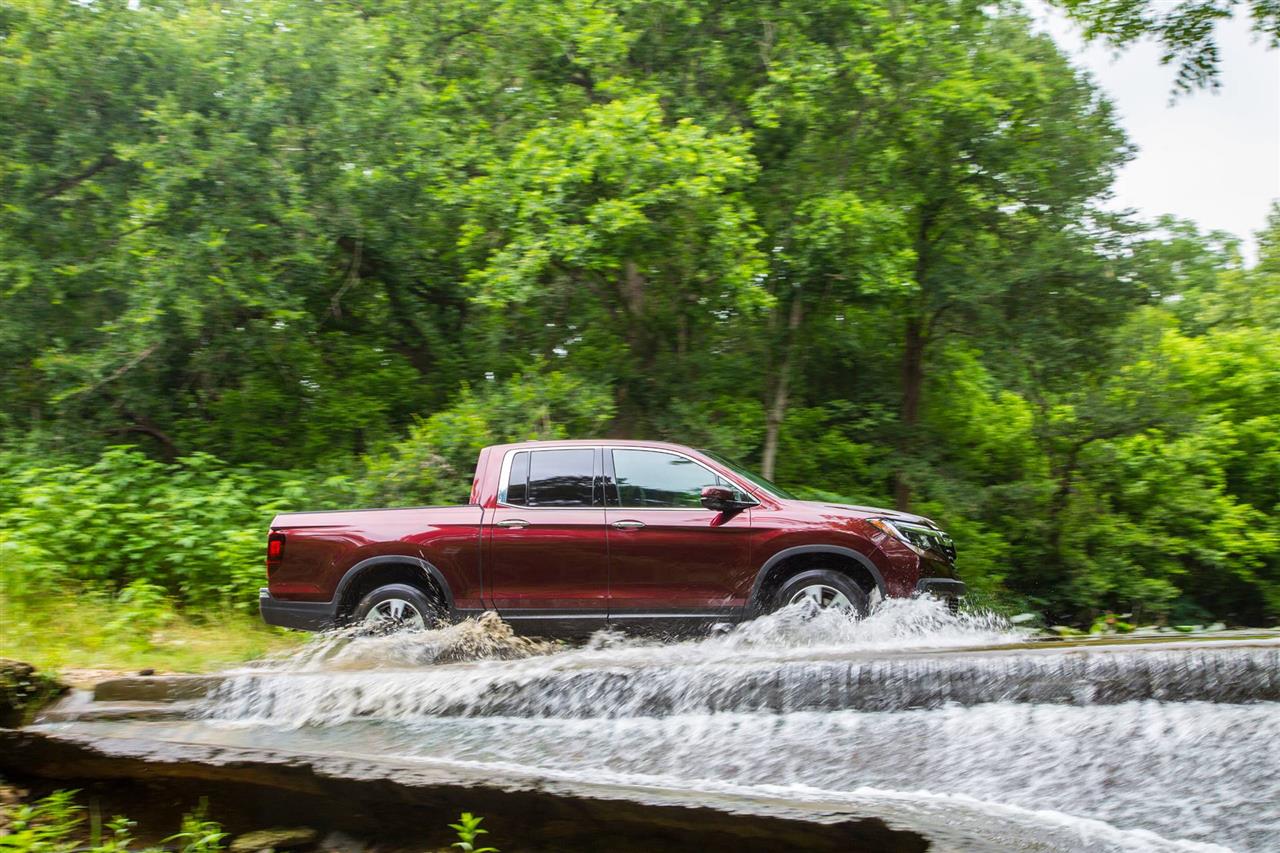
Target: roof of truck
596,442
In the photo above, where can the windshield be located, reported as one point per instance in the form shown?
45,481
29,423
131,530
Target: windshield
777,491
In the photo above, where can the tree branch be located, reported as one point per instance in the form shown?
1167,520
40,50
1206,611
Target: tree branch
105,161
138,359
351,278
146,426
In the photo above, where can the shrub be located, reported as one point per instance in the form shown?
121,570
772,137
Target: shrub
146,530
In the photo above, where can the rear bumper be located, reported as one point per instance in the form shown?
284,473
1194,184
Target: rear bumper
300,615
941,587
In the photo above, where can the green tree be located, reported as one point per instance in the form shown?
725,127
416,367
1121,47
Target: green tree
1184,30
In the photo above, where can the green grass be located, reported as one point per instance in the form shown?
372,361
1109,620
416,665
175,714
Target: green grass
91,633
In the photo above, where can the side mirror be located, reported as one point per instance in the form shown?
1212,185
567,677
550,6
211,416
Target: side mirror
720,499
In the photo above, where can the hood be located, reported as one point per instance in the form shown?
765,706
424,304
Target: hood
873,512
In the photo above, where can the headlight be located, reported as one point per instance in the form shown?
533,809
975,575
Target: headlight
918,536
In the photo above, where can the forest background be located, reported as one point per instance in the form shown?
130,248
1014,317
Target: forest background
268,255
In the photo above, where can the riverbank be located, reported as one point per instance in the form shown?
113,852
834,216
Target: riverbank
85,640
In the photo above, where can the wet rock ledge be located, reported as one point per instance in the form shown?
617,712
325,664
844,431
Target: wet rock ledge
406,807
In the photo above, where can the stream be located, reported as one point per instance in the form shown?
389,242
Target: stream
957,726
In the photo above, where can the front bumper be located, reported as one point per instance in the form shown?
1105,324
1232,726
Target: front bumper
299,615
941,587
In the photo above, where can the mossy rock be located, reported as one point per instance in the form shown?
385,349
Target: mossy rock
296,838
23,692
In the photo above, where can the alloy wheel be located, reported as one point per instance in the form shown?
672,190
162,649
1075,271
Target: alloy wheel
824,597
395,613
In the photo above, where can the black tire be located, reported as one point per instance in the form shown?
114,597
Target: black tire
415,608
824,579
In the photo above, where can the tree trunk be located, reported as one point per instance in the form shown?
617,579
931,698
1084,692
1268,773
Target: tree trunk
780,391
1061,496
912,382
913,360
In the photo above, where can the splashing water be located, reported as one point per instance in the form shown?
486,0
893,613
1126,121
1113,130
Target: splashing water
486,637
793,632
896,624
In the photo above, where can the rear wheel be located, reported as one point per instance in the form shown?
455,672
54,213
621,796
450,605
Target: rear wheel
824,589
395,607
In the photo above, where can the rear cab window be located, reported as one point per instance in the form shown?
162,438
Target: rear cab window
560,477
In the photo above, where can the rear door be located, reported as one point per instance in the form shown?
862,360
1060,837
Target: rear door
548,565
669,557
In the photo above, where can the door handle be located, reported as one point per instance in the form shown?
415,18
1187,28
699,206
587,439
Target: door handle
518,523
628,525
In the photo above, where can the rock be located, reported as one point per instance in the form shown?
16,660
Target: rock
147,671
23,692
340,842
296,838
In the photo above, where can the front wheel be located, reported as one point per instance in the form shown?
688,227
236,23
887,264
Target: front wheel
395,607
824,589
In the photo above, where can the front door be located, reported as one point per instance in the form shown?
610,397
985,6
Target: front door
548,565
670,557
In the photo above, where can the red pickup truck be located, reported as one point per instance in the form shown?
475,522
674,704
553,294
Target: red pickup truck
564,537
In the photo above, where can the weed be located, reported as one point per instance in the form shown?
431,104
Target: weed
199,834
468,829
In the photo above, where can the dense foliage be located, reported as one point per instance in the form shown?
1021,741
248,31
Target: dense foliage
307,254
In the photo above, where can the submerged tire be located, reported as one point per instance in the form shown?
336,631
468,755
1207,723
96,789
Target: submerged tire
827,589
397,606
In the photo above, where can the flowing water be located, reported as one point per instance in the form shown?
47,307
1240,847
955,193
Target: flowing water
954,723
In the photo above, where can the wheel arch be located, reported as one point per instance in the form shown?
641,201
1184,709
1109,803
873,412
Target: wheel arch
393,566
776,567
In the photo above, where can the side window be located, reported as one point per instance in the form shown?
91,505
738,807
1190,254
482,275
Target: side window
656,479
518,480
560,477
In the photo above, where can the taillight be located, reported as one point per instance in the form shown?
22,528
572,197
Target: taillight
275,550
